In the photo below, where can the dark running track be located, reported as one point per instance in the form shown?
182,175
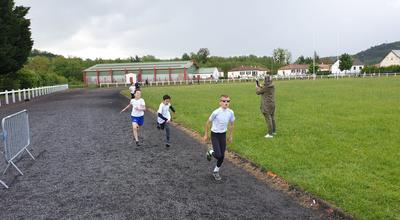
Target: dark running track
88,168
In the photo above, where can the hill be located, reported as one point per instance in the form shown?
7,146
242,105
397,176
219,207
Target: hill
375,54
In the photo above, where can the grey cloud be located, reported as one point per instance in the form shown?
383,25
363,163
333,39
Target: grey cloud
105,28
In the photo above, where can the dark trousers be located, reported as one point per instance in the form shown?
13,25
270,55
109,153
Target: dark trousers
165,126
218,141
270,119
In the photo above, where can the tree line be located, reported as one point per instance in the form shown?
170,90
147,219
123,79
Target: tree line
44,68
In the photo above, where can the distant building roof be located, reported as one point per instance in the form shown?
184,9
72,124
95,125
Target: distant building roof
396,52
143,66
207,70
246,68
294,66
356,62
324,66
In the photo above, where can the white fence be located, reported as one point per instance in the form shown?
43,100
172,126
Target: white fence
241,80
23,94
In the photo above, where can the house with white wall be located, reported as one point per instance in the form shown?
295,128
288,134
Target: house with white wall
130,78
293,70
356,68
247,72
391,59
208,73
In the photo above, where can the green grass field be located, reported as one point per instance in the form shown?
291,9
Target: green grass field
338,139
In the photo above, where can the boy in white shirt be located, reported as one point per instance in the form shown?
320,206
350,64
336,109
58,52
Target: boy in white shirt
137,115
220,119
164,117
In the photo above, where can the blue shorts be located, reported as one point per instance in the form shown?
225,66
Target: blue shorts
137,120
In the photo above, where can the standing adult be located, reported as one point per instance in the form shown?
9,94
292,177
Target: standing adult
267,107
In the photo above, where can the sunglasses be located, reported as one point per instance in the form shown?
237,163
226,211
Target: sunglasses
225,101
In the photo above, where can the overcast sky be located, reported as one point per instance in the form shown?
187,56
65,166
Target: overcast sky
166,29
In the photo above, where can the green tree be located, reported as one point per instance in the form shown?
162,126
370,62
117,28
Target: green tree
45,69
300,60
193,56
39,64
135,59
345,62
149,58
282,56
311,68
27,78
15,37
36,52
202,55
70,68
185,56
316,57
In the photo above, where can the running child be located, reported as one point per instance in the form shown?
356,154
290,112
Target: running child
132,90
164,117
220,119
137,116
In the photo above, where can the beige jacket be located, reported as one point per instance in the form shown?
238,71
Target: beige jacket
267,93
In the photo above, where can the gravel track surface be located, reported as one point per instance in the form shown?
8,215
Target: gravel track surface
87,167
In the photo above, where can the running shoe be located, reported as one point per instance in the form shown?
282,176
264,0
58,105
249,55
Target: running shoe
217,176
268,136
209,154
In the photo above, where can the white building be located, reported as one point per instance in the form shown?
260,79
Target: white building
392,58
247,72
293,70
130,78
355,69
208,73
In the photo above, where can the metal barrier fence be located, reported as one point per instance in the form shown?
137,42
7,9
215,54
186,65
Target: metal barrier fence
2,183
240,80
16,137
23,94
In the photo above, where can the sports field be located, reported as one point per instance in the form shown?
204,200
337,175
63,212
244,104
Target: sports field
338,139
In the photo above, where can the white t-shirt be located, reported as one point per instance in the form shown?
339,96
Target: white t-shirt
220,119
164,110
139,104
132,89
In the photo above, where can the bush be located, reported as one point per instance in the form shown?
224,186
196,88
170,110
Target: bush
375,69
323,72
27,78
9,82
